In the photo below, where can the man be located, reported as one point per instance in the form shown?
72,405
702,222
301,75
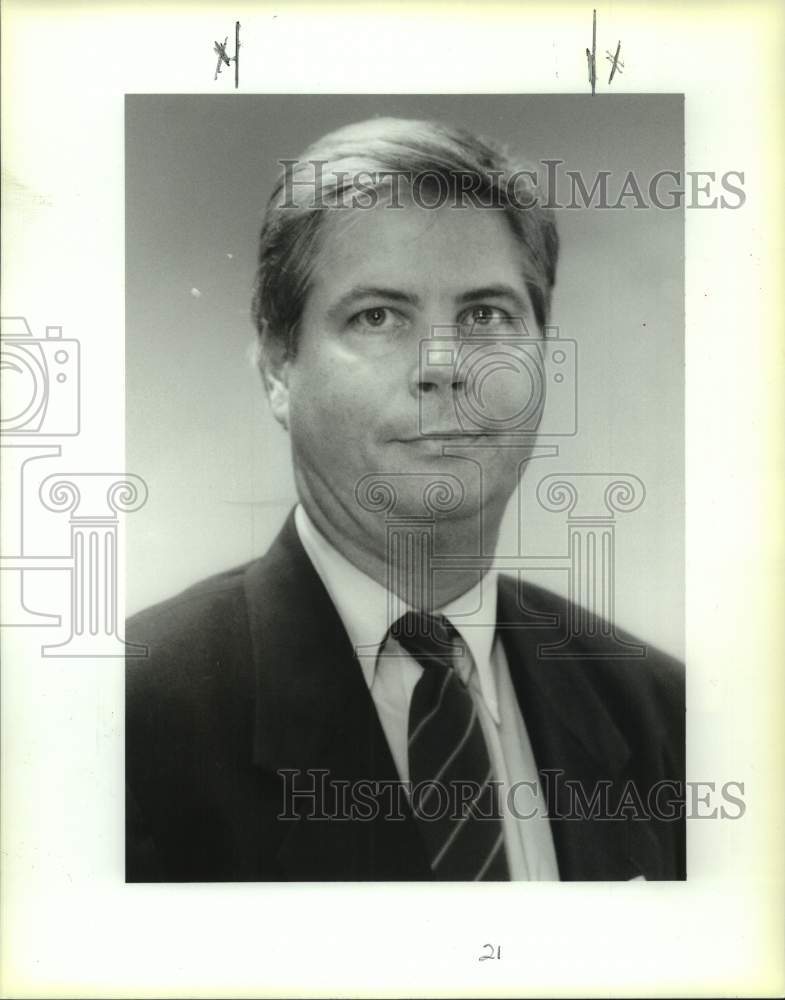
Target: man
370,700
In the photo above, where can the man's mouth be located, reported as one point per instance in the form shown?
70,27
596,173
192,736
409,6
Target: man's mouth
446,432
445,437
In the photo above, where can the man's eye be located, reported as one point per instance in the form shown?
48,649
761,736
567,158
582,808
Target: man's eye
484,315
377,318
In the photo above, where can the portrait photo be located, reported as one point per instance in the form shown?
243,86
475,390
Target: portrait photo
405,384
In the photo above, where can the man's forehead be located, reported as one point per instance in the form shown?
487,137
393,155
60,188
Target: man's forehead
412,246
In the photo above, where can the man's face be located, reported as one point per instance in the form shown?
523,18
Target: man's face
363,397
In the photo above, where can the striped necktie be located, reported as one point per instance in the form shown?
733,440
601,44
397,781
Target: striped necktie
453,799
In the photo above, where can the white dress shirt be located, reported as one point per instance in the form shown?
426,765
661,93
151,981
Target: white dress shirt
391,675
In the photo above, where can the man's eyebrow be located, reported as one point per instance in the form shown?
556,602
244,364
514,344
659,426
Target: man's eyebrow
496,292
374,292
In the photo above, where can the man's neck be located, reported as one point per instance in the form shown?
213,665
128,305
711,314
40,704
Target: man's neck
365,543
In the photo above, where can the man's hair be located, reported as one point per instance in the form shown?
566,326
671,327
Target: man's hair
345,167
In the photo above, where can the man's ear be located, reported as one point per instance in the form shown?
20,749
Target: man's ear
276,382
274,365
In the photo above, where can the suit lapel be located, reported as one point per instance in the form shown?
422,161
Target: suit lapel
576,746
314,713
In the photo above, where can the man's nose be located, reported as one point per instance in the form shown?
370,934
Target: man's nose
437,368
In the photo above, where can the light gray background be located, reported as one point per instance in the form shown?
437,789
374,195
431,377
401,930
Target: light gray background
199,170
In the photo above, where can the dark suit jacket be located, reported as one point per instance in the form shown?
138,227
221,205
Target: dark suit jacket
251,672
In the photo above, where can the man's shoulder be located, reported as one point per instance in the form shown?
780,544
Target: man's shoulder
182,648
608,656
197,609
610,685
212,630
211,607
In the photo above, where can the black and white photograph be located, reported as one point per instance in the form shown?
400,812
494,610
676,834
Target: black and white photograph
342,361
390,440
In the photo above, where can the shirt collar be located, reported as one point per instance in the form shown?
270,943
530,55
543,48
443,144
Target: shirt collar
364,607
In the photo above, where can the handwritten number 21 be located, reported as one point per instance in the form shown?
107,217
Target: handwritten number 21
492,952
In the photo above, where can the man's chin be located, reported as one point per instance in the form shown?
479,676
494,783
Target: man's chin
436,479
